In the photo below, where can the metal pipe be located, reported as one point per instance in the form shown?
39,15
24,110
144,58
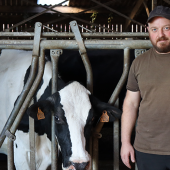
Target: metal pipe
71,35
31,92
55,54
116,141
95,159
89,44
10,159
113,99
21,99
122,80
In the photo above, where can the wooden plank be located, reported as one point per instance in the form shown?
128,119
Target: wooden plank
133,13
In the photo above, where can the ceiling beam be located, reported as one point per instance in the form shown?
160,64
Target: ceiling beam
38,9
133,13
146,7
154,4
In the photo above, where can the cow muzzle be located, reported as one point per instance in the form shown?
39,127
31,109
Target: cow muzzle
79,166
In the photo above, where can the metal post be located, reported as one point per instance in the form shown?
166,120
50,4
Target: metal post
113,99
55,54
10,155
32,141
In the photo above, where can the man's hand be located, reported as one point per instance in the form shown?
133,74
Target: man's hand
127,152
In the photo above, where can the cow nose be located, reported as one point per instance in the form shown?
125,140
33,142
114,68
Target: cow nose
81,166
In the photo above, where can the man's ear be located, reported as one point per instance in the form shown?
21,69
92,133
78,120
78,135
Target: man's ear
107,112
40,109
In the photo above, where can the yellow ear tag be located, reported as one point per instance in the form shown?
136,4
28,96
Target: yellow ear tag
104,117
40,114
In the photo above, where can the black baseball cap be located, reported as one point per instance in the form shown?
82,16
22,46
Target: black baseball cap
159,11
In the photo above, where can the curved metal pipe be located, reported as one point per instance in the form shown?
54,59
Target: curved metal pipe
20,99
31,92
112,100
122,80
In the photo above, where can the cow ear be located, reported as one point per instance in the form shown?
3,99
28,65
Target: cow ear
107,112
40,109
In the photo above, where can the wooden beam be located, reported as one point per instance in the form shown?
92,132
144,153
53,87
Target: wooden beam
146,7
154,4
38,9
167,1
133,13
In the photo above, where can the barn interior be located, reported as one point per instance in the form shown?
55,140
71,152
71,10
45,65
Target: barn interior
92,16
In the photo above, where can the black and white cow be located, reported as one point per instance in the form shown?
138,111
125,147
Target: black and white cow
74,107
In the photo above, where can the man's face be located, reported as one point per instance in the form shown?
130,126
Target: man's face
159,34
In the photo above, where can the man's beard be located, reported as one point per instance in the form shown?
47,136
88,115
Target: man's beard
162,48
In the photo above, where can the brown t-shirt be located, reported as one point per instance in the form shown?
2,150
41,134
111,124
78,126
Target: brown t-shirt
150,74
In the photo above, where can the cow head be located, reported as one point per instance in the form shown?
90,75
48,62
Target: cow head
75,110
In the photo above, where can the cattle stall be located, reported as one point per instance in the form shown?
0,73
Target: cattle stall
90,41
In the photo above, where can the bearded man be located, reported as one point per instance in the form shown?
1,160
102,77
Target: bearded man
148,98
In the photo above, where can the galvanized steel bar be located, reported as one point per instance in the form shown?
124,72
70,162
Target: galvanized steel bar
10,160
31,92
35,52
116,145
71,35
32,143
37,35
83,53
116,141
55,54
71,44
122,80
95,160
113,99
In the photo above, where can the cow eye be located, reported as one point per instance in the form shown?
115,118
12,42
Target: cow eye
57,118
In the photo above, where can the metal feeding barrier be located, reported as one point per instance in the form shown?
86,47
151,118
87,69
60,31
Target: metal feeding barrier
81,43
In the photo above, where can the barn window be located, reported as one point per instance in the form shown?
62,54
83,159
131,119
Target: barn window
51,2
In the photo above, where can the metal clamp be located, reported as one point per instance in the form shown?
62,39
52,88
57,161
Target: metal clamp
56,52
139,52
10,135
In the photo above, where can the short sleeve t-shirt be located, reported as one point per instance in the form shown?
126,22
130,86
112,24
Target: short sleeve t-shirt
150,74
